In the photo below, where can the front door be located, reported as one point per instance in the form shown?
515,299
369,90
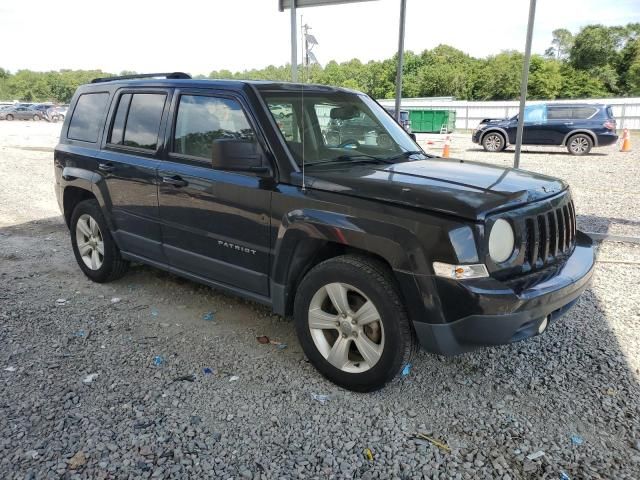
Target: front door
534,127
215,223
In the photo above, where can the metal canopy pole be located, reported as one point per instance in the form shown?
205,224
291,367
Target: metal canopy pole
523,83
403,11
294,46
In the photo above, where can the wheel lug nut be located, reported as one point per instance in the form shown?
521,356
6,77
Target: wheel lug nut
344,335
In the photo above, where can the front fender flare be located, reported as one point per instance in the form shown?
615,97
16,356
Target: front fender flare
304,232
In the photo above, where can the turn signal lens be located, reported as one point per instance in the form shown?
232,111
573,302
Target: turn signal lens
460,272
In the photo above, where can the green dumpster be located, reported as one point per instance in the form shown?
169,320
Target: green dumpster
432,121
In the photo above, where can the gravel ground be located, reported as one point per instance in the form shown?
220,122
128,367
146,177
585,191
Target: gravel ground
82,396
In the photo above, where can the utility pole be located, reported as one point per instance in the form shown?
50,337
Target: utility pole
523,83
294,48
403,12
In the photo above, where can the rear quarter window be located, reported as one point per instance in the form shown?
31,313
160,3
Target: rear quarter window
88,117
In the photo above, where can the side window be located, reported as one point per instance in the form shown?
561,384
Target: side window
88,117
559,113
582,113
117,132
202,120
137,120
535,114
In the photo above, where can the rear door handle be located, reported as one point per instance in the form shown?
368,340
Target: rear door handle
106,167
177,181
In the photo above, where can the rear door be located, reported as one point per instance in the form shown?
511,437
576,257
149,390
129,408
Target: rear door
215,223
559,123
129,162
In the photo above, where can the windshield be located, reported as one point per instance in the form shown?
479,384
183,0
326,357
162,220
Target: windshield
338,127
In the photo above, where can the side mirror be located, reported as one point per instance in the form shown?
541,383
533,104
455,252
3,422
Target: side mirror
238,155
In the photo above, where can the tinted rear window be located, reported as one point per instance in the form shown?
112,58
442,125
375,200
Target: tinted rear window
582,113
559,113
88,117
137,120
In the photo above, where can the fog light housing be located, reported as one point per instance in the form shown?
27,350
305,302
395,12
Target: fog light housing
460,272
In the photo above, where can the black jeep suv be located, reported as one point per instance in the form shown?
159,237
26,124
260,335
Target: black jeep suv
579,127
369,244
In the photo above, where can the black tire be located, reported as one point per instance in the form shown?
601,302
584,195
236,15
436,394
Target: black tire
9,117
36,118
579,144
113,265
375,281
494,142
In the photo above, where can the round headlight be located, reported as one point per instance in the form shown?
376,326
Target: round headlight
501,241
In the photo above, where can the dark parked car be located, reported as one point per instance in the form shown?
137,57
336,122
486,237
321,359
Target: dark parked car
579,127
20,113
370,246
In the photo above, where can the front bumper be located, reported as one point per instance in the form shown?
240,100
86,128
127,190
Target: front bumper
509,311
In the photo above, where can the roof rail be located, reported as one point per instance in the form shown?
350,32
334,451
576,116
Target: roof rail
170,75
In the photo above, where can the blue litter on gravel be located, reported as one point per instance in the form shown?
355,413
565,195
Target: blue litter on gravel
208,316
564,476
281,346
79,333
207,371
577,440
154,312
158,360
406,370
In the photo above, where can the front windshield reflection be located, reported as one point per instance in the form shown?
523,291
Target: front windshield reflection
337,127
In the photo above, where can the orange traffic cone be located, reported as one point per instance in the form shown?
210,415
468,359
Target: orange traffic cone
626,141
447,146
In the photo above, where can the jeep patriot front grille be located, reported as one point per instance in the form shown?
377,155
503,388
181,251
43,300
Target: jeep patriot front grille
550,235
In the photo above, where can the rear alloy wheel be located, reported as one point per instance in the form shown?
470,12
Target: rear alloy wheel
36,118
352,324
93,246
493,142
579,144
9,117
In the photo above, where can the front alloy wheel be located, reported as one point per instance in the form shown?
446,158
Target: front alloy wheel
493,142
351,322
346,328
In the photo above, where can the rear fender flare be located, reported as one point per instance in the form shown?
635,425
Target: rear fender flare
86,180
593,137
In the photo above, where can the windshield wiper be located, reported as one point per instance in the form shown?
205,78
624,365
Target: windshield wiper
359,158
406,155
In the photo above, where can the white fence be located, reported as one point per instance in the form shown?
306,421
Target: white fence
469,114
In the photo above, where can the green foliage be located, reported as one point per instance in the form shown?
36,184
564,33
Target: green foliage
597,61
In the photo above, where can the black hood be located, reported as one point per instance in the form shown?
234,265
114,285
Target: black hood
495,121
465,189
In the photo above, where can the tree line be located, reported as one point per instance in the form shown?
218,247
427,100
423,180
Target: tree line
598,61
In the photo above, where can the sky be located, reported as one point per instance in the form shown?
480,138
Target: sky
198,36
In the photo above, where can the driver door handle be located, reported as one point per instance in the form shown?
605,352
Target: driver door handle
177,181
